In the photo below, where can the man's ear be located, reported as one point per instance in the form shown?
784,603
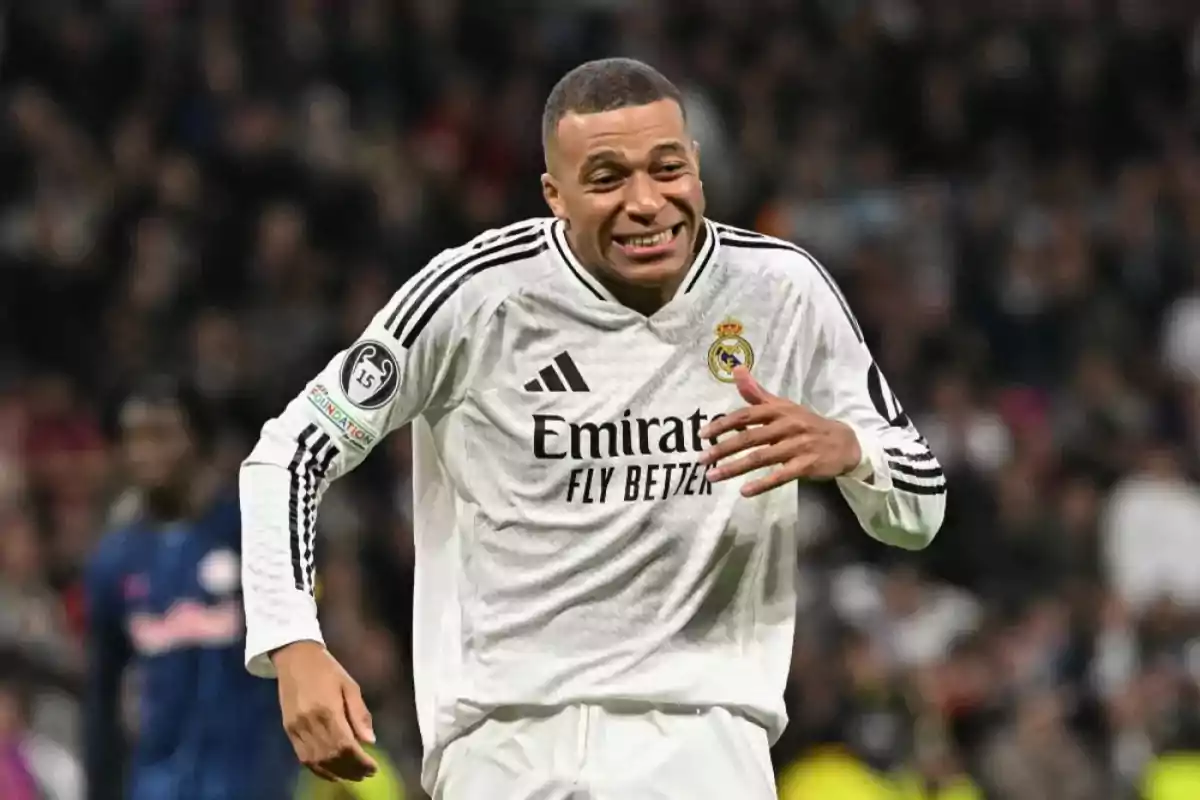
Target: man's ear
696,155
553,197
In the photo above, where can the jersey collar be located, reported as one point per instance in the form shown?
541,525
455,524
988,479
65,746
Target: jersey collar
558,239
699,269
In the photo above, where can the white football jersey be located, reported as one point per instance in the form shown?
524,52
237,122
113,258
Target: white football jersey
568,545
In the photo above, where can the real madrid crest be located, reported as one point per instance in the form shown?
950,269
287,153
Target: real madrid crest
728,351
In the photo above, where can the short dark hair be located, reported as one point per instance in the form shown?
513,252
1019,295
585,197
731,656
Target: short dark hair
605,84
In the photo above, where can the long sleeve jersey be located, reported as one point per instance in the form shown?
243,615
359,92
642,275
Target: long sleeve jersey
568,545
164,600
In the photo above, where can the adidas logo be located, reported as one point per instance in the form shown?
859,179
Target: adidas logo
565,379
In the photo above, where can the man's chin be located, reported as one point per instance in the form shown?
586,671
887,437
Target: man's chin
647,274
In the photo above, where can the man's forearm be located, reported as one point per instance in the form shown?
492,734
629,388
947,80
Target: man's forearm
275,540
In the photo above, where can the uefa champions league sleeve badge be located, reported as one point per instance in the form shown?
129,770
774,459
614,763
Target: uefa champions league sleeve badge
369,375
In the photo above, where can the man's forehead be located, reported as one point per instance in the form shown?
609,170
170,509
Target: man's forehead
634,128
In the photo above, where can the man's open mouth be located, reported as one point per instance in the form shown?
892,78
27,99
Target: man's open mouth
644,245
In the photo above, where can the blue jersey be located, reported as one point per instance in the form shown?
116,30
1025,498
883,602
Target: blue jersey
166,599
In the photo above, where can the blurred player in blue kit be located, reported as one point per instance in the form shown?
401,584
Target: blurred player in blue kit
164,597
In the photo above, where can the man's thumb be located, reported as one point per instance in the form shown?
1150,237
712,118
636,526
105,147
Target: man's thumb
749,388
359,716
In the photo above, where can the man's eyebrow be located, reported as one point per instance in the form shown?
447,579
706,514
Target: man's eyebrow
597,158
612,156
676,148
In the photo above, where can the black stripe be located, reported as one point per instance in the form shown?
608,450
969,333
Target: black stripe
551,379
916,472
437,277
430,272
533,386
708,259
918,457
305,584
294,505
916,488
309,487
319,476
433,269
463,277
567,367
571,266
483,240
723,227
775,244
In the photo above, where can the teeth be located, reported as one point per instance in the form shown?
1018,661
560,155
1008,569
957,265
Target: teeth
649,241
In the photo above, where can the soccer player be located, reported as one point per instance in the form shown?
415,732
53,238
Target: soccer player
163,597
609,409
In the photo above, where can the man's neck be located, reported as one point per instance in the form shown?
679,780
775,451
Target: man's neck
643,299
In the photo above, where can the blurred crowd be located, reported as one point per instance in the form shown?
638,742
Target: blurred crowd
1009,191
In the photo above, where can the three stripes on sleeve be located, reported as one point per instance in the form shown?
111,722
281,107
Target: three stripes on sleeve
916,472
437,283
310,462
414,307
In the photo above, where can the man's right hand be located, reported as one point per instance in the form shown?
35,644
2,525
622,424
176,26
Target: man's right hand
323,713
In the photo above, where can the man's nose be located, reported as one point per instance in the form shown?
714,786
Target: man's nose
643,200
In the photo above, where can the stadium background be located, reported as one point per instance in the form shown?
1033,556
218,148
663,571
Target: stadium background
1008,190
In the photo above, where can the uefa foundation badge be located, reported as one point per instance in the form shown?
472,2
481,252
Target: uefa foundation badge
728,351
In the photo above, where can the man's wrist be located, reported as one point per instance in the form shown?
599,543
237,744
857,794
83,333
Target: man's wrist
858,464
300,646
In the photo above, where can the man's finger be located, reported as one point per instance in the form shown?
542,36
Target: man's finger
321,772
753,437
323,732
308,750
741,418
303,742
791,471
348,759
763,457
352,763
358,715
749,388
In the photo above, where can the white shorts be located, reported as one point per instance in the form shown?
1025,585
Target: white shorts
590,752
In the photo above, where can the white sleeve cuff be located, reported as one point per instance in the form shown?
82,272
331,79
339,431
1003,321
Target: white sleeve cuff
872,471
262,643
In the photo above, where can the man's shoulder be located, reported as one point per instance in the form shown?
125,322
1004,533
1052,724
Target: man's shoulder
476,276
525,229
499,259
781,263
756,253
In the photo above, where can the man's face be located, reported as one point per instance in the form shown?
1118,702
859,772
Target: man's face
628,184
158,447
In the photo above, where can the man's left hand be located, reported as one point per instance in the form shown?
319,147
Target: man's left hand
802,443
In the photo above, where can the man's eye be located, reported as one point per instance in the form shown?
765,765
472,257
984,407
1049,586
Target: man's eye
671,168
605,179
